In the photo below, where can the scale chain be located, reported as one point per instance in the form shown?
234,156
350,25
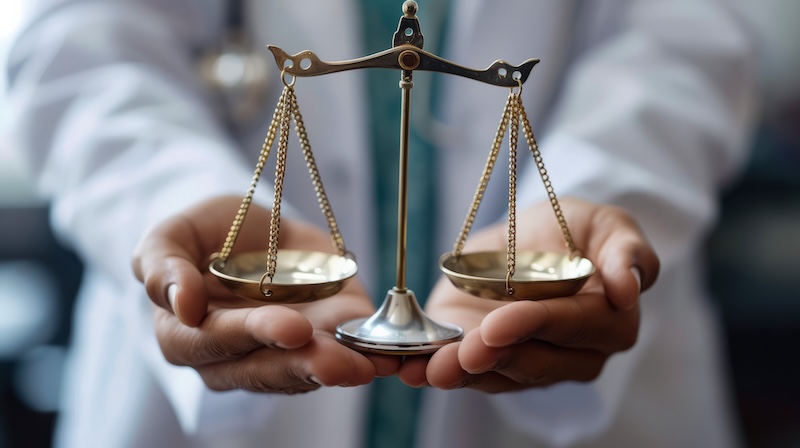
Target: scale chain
266,147
316,179
513,139
548,186
280,172
484,181
286,110
513,116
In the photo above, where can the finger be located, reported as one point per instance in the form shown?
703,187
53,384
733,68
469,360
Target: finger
412,371
581,321
352,303
230,334
332,364
278,325
531,363
322,361
625,260
327,314
449,304
166,262
444,372
385,365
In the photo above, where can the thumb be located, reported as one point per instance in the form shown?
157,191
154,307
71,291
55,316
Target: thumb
628,266
165,265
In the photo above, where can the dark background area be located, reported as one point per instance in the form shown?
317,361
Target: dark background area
30,373
754,267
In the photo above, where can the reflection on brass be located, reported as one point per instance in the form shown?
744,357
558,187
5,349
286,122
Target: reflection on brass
538,275
300,276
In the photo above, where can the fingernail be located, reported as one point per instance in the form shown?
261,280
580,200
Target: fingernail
276,345
638,276
459,385
315,380
492,365
172,293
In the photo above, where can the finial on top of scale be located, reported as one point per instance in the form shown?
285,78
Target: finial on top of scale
410,8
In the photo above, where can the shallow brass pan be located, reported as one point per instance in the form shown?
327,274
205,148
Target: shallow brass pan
300,276
538,275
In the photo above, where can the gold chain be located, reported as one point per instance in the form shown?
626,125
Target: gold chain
233,233
319,189
513,138
513,115
548,186
280,172
286,109
487,172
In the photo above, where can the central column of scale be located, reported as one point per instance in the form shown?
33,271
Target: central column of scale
406,84
400,327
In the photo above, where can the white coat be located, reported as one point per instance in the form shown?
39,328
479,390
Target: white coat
643,104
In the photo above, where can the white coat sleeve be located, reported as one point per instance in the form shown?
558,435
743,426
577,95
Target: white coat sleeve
119,135
655,119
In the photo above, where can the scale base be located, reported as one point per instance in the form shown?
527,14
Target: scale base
399,327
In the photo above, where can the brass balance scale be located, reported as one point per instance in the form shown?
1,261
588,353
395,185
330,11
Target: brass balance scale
399,327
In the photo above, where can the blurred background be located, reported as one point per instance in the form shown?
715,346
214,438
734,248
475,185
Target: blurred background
753,257
38,282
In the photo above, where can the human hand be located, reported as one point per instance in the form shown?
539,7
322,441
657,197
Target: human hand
236,343
517,345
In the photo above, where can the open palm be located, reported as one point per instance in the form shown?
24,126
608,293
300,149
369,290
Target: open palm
516,345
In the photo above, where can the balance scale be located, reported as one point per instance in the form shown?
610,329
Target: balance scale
399,326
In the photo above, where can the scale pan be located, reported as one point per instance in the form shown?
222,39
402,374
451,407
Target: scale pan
538,275
300,276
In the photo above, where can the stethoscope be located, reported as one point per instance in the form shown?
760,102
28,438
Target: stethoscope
239,75
236,72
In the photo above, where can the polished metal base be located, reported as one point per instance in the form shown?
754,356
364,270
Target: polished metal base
399,327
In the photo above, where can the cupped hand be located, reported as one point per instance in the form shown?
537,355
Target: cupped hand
518,345
236,343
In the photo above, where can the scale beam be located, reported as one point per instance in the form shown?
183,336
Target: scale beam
403,57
